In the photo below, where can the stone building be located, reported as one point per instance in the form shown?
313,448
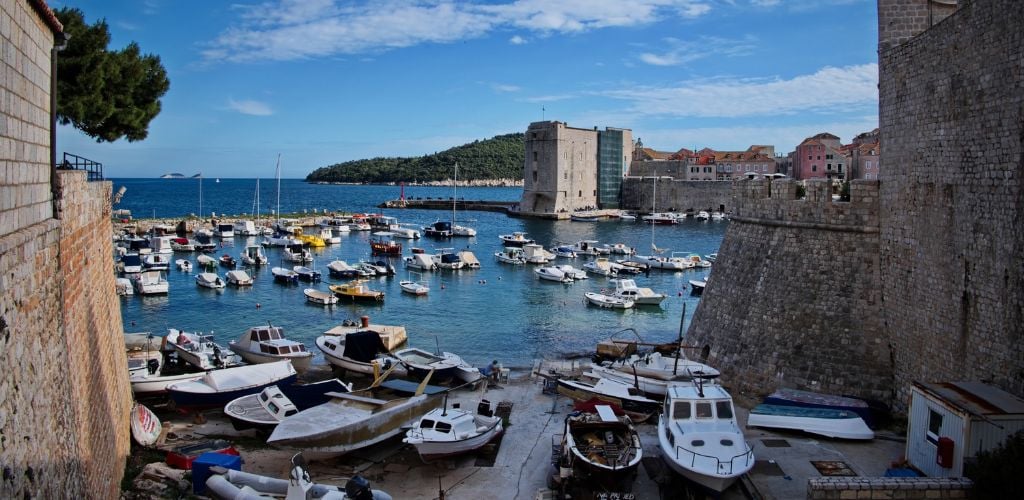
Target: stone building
920,276
65,400
820,157
566,166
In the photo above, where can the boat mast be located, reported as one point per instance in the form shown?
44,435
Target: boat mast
455,194
200,196
654,201
256,202
278,174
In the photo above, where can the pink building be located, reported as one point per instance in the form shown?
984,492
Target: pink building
820,157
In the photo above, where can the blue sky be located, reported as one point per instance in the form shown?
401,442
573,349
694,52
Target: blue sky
323,81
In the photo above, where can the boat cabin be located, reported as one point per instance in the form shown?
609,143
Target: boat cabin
447,426
276,404
265,337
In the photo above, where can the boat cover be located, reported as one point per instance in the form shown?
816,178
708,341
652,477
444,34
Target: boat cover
363,346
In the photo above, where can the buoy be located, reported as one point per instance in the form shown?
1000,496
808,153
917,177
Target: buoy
680,294
257,305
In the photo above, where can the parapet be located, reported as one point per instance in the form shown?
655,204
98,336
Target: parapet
776,202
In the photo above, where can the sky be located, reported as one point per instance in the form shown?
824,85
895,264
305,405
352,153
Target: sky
320,82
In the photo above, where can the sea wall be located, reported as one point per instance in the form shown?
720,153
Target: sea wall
674,195
952,205
64,396
793,300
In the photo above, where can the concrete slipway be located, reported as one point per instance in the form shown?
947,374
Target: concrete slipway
522,462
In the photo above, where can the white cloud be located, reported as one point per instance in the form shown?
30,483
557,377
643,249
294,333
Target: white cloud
740,137
684,51
298,29
254,108
517,40
504,87
821,92
548,98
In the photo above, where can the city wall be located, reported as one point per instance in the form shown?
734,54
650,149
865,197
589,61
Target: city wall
952,218
675,195
793,297
64,397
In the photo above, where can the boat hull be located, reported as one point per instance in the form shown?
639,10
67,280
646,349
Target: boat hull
826,422
716,483
433,450
187,400
154,386
637,410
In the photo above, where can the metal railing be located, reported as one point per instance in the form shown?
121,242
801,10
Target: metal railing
748,454
74,162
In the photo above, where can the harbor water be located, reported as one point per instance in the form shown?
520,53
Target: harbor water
499,311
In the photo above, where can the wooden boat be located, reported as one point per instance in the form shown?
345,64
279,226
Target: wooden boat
808,399
699,436
270,406
230,483
209,280
362,352
306,274
828,422
444,366
267,344
602,447
284,275
607,301
238,278
217,387
357,291
515,239
630,399
445,432
320,297
350,421
381,246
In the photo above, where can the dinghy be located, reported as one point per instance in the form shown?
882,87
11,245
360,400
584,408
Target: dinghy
445,432
602,447
230,483
320,297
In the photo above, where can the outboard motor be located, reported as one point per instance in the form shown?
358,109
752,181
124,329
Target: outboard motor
152,365
358,488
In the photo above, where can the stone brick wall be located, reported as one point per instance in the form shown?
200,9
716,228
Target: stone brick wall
901,20
904,488
952,225
64,396
793,298
638,194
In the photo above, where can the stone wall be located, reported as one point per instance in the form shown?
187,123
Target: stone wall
952,225
638,194
901,20
64,396
793,298
902,488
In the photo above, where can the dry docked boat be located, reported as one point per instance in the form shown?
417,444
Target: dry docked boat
217,387
600,446
147,375
444,366
238,278
828,422
145,425
663,367
350,421
356,290
630,399
362,352
230,483
267,344
699,436
808,399
445,432
320,297
271,405
607,301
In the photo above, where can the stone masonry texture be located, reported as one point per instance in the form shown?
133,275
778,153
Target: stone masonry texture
680,196
64,397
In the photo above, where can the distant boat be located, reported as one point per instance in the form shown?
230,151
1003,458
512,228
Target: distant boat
320,297
173,175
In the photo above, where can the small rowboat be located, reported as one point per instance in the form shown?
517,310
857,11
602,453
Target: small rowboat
602,300
320,297
414,287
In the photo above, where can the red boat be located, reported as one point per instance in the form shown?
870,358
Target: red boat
385,247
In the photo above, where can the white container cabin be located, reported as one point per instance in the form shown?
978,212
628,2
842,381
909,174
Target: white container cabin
951,422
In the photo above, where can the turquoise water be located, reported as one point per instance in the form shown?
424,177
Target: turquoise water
497,312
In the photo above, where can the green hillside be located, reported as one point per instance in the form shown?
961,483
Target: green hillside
500,157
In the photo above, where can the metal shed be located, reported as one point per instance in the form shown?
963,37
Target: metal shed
953,421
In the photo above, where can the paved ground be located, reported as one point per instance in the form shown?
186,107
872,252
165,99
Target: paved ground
522,460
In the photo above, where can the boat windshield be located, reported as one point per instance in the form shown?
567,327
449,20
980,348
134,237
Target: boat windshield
723,409
681,410
704,410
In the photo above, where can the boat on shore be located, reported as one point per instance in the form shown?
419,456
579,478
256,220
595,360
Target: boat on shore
444,366
446,432
198,350
270,406
218,387
267,344
808,399
630,399
602,447
230,483
828,422
362,352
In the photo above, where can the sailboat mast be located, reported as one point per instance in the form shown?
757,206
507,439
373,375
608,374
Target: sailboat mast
200,196
455,194
256,202
278,174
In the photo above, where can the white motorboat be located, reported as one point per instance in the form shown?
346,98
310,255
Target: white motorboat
156,262
661,218
260,411
564,251
341,269
511,255
182,245
147,375
327,234
184,265
717,215
206,262
600,447
703,215
446,258
160,244
828,422
199,350
444,366
589,247
421,261
593,386
320,297
552,273
602,266
123,286
253,256
699,436
284,275
209,280
533,253
297,253
414,287
361,352
306,273
267,344
626,289
673,263
572,272
151,283
607,301
281,240
628,217
350,421
131,263
245,228
404,232
230,483
445,432
663,367
619,249
515,239
217,388
224,230
697,261
697,286
238,278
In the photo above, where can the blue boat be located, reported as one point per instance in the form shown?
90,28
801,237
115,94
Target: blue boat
828,422
808,399
217,387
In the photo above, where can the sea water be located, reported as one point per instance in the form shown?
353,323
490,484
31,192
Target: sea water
498,312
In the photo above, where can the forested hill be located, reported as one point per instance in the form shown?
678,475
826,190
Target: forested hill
500,157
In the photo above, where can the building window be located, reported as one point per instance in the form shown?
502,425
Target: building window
595,192
814,168
565,175
828,157
819,157
534,176
934,426
581,193
809,157
535,154
534,136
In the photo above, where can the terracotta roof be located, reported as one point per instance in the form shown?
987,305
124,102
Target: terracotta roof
47,15
682,154
824,135
655,155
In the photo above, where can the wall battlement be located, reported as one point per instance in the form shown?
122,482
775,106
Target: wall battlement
775,202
